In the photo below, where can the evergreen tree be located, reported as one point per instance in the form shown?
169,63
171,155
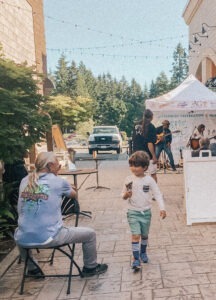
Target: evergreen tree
61,76
81,87
179,66
135,107
89,79
153,90
71,88
122,89
113,111
162,84
102,91
145,92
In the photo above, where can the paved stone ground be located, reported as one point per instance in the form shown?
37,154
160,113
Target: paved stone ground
182,258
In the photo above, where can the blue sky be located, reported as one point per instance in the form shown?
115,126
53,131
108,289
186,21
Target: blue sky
131,38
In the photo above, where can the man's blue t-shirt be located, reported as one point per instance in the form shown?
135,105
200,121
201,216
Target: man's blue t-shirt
40,215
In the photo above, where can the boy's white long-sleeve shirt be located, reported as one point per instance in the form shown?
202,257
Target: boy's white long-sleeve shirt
143,190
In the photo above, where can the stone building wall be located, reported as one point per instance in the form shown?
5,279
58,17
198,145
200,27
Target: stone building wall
22,33
17,31
202,60
39,35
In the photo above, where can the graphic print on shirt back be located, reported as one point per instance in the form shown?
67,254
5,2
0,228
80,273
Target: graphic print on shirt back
33,198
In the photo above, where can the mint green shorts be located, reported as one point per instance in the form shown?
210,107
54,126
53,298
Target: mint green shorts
139,221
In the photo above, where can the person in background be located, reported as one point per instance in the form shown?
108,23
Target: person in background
14,172
204,144
144,138
164,140
138,190
40,219
212,147
198,132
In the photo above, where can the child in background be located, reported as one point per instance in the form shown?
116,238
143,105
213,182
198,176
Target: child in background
139,190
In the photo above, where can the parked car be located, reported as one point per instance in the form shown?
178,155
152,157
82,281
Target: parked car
105,138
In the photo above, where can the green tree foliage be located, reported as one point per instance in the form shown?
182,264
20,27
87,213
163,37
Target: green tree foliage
145,92
83,127
134,102
153,90
71,103
109,101
179,66
113,111
72,83
67,112
89,80
22,121
61,76
162,84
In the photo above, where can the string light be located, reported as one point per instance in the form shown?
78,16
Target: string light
110,55
76,26
151,43
114,46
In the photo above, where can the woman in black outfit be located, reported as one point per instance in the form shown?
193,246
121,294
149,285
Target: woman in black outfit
144,139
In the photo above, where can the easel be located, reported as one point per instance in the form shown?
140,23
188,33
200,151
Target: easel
58,138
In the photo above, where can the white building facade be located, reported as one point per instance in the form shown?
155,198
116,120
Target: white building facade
200,16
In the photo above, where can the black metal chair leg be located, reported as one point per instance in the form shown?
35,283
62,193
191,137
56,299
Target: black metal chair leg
52,257
24,273
70,272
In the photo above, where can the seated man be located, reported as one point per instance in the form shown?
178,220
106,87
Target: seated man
164,142
40,220
204,144
199,132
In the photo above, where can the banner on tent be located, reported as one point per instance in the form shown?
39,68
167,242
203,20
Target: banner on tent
186,122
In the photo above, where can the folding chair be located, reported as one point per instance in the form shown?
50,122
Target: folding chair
69,207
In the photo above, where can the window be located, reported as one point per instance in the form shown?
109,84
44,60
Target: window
105,130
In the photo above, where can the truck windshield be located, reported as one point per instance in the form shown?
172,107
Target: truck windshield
104,130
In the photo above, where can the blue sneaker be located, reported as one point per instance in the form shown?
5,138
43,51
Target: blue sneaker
144,257
136,264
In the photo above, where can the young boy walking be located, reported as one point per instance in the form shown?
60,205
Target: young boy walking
139,190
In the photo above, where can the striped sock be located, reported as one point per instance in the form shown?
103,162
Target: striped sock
144,242
135,249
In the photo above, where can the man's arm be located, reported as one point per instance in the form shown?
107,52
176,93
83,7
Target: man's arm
73,193
152,137
152,150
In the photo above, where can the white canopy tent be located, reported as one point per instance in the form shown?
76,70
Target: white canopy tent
187,106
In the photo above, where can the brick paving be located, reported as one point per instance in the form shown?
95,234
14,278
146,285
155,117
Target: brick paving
182,259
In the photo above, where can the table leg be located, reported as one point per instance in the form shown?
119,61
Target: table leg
97,186
75,184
